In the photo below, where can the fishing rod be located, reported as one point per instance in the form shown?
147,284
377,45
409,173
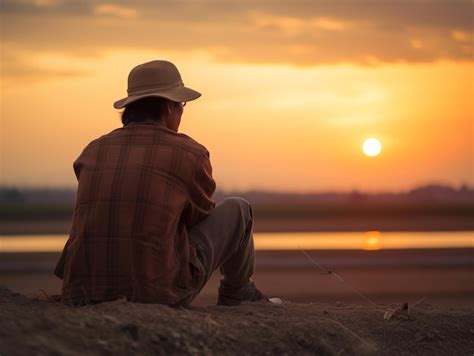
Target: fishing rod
335,275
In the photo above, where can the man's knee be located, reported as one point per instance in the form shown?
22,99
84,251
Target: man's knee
238,206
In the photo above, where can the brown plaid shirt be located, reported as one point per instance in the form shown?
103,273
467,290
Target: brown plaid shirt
140,188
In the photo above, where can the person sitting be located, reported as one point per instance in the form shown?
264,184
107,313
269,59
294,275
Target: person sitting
145,226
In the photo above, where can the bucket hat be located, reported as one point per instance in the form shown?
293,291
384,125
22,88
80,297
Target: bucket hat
156,78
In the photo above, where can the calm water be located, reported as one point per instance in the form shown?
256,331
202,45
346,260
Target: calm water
370,240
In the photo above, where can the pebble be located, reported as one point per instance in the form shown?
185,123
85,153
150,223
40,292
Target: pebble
175,335
131,330
110,318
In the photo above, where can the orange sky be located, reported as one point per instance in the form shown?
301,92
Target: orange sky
289,92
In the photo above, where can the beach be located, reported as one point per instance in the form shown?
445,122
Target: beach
335,302
443,276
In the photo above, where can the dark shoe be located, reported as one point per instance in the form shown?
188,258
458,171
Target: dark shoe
234,296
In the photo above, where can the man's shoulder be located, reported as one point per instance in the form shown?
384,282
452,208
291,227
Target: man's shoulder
103,138
168,137
185,142
191,144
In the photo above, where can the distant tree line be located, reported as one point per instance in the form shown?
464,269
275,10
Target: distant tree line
422,194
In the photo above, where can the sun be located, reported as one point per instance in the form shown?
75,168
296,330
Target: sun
372,147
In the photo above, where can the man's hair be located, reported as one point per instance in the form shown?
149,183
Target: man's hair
150,108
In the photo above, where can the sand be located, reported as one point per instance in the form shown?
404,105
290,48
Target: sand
41,327
320,315
444,276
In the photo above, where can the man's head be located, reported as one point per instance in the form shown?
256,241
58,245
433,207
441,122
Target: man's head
156,109
155,91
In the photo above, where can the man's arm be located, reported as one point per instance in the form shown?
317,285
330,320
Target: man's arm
200,193
59,269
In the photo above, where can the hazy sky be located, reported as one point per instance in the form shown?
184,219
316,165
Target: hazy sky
290,88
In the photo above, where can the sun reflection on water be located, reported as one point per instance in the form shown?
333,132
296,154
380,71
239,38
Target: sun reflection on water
372,240
369,240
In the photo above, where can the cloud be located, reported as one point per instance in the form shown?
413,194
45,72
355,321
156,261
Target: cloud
19,65
461,36
40,3
294,26
329,24
305,33
115,10
416,44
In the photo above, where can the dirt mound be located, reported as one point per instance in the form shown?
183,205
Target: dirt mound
37,326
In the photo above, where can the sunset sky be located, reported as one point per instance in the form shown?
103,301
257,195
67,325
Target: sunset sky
291,89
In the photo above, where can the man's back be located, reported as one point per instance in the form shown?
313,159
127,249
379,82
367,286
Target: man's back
140,188
145,226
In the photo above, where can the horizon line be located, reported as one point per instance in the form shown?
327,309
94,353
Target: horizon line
456,187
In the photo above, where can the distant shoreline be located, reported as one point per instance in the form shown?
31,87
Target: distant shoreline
293,259
387,276
36,226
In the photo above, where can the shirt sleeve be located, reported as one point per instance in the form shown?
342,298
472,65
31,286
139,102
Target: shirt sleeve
59,269
79,162
200,193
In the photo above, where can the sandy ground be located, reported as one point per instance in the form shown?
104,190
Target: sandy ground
444,276
320,315
441,287
41,327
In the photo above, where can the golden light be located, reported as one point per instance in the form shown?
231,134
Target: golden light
372,240
372,147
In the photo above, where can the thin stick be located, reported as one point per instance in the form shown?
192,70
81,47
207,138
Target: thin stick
339,278
358,307
418,302
410,307
44,293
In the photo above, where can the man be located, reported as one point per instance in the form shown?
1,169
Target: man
145,226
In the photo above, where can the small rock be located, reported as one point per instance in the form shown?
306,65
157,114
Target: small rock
423,336
276,300
158,339
110,318
131,330
47,324
103,343
175,335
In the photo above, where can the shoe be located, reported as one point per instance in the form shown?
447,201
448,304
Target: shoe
231,296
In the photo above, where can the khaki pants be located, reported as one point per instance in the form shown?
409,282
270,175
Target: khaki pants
225,240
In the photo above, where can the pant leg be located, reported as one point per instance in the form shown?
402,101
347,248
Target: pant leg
225,240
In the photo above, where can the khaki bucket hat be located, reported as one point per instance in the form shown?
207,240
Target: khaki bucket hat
156,78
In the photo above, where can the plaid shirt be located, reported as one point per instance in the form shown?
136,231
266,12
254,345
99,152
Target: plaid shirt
140,188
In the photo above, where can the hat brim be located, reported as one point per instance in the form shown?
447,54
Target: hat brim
176,94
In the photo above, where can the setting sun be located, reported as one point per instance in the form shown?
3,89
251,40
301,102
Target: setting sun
372,147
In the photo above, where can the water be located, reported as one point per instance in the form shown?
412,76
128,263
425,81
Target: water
370,240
